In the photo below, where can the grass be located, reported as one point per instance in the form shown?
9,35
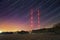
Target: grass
29,37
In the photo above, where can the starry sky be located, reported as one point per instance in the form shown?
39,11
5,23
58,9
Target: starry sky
15,14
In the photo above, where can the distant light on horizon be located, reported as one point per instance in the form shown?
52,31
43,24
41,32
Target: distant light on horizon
1,31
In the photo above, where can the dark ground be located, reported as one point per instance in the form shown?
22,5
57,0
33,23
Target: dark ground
29,37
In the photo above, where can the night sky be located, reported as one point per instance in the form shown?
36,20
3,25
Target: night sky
15,14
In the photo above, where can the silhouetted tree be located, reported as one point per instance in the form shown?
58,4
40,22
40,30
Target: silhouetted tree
39,31
23,32
7,33
56,28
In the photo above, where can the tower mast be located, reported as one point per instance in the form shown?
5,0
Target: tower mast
31,19
38,18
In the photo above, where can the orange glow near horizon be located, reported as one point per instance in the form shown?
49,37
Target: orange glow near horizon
12,27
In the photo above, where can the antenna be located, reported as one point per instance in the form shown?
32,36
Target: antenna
38,18
31,19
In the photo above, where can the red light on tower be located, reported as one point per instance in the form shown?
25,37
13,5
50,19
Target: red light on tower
38,18
31,19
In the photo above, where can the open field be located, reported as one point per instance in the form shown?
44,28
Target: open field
29,37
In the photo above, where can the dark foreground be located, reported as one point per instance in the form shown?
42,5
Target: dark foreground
29,37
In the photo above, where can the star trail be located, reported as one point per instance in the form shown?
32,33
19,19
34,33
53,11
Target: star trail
15,14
